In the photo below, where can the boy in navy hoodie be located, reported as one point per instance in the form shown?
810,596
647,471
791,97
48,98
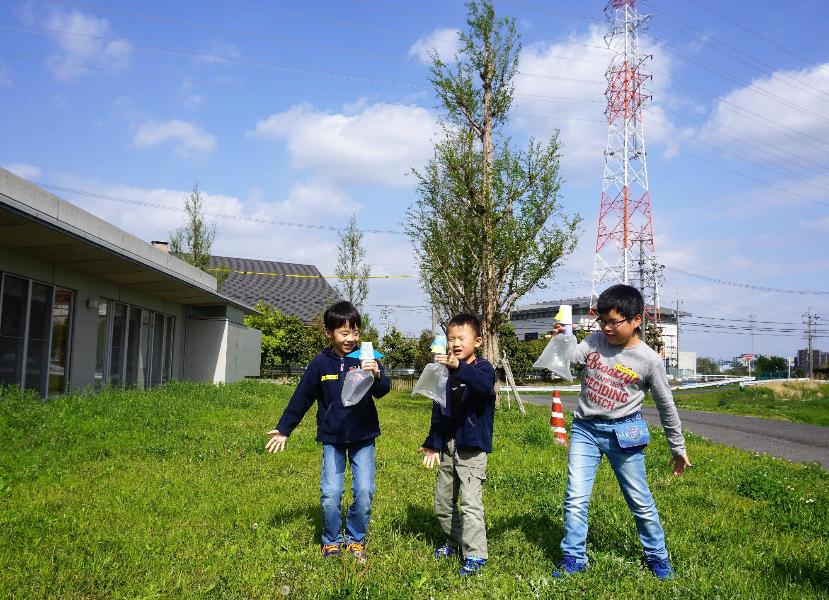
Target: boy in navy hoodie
344,431
460,436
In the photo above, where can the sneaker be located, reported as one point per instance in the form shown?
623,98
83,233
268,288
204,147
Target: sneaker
472,566
568,566
358,551
445,551
330,550
661,568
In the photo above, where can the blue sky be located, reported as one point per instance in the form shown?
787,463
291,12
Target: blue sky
307,112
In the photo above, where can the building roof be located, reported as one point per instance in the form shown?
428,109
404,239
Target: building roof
580,302
39,224
293,289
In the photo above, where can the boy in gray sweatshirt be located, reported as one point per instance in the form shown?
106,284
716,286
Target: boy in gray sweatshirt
619,370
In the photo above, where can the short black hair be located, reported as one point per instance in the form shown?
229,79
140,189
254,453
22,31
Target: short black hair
462,319
624,299
341,313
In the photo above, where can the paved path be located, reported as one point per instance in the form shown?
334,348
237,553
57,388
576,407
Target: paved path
797,442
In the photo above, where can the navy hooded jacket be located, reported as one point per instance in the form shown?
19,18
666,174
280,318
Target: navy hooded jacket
471,428
336,424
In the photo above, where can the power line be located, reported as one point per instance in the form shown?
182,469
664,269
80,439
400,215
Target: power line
229,217
754,33
746,285
745,175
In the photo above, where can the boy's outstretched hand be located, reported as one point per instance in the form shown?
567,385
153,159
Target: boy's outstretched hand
277,441
680,463
430,457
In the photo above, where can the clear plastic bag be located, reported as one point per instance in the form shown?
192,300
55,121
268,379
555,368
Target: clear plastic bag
432,383
556,356
357,383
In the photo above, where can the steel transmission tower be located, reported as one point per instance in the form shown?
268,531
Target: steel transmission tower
625,250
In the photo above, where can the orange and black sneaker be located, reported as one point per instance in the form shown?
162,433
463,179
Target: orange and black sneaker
330,550
358,551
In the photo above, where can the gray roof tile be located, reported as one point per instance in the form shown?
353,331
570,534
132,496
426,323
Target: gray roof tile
304,297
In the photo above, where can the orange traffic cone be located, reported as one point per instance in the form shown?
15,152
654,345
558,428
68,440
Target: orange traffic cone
557,420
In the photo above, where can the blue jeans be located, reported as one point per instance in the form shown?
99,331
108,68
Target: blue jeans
332,484
588,441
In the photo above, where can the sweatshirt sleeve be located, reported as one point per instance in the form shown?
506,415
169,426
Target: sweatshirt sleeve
301,400
668,415
480,377
435,438
382,385
582,349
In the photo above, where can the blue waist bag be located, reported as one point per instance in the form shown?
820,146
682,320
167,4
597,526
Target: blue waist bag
632,435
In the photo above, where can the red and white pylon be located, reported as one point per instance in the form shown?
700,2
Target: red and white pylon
557,420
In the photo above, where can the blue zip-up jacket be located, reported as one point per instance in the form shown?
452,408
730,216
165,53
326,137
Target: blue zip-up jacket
472,426
336,424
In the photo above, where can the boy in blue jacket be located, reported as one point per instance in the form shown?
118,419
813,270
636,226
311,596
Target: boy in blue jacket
344,431
460,436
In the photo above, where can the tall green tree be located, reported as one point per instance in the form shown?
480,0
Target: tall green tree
707,366
399,350
487,226
352,271
193,241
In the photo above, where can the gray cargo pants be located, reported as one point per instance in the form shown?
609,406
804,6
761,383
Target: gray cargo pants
462,472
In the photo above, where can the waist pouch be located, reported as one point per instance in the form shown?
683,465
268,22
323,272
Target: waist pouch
632,435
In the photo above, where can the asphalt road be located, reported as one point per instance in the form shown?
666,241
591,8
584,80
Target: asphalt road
797,442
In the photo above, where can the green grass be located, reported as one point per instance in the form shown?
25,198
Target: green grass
168,493
798,402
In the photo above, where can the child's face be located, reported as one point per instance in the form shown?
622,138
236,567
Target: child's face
618,330
462,341
343,338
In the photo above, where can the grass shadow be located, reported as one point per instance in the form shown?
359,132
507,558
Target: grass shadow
421,523
803,572
311,512
539,529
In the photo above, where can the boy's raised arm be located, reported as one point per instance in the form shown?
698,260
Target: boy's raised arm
382,384
480,377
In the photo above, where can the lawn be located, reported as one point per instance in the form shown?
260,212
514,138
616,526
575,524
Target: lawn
801,402
168,493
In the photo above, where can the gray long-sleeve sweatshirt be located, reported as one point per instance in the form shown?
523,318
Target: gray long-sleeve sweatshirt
616,380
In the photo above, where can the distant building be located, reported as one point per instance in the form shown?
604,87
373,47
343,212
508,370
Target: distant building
821,359
533,321
293,289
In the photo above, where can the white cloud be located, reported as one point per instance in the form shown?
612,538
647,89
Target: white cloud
443,41
218,52
78,37
189,98
820,225
190,139
788,125
377,143
23,170
562,86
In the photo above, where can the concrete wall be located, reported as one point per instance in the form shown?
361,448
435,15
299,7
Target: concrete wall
218,349
206,349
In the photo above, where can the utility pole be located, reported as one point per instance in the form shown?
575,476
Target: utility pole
751,329
677,336
810,319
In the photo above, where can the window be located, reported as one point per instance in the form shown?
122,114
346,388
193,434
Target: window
35,326
135,346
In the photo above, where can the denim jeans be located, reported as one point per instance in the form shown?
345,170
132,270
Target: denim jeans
332,484
588,441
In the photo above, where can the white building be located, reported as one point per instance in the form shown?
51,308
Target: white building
85,304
